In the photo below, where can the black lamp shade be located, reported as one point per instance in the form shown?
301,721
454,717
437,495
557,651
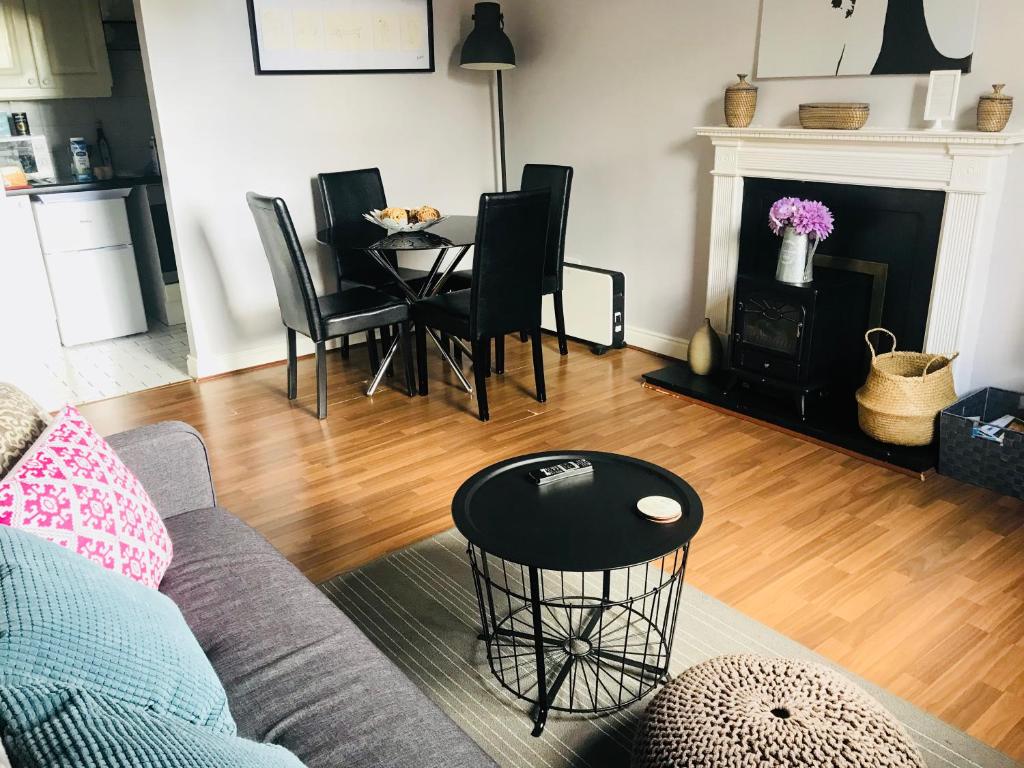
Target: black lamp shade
487,46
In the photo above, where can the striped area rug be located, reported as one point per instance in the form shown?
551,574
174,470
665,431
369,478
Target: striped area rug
419,606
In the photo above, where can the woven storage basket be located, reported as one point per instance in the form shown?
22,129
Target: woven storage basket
843,116
994,110
903,394
740,103
965,454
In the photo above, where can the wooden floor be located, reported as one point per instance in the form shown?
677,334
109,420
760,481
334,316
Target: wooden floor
917,586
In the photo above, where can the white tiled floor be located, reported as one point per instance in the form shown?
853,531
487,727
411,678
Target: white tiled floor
105,369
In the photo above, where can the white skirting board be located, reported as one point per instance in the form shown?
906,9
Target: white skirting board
660,343
214,365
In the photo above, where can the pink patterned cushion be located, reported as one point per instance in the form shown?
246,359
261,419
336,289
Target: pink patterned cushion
71,488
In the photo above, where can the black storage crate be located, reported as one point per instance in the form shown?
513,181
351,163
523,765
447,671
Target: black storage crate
965,455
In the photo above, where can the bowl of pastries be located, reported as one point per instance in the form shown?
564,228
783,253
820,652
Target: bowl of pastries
405,219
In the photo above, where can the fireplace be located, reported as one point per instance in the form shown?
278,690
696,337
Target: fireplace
914,212
796,353
876,269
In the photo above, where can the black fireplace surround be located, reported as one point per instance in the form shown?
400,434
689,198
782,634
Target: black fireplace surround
875,269
896,227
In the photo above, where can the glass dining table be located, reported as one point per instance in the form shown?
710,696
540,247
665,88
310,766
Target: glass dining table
451,238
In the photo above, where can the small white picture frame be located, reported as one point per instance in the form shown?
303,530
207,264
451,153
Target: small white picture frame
940,105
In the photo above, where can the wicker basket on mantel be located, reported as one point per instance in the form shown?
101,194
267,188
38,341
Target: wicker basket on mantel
842,116
740,103
994,109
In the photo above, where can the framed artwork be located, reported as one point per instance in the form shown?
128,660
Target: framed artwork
818,38
943,90
329,37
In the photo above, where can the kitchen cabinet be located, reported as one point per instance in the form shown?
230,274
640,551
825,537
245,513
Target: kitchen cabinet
52,49
17,62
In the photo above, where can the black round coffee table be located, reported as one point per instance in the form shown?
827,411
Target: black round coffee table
578,592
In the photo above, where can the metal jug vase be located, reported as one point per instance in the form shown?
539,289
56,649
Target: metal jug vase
796,258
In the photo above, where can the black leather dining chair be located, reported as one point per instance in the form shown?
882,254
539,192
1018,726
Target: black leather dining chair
352,309
505,296
557,179
345,197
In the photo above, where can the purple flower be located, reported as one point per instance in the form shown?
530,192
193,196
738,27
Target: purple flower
782,213
807,217
813,218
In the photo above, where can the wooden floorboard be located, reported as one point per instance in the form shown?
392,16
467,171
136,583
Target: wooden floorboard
916,585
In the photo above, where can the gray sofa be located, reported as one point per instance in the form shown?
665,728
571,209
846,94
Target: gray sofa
297,671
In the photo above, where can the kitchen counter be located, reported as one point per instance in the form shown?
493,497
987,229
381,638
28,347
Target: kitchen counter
70,185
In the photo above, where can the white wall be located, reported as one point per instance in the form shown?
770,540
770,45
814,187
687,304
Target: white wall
31,339
225,131
1000,358
615,89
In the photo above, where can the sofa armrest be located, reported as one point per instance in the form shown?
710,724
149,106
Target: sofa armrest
171,462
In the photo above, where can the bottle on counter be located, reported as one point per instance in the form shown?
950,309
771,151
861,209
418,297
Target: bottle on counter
105,158
19,121
81,168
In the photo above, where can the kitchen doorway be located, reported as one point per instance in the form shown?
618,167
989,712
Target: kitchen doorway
95,263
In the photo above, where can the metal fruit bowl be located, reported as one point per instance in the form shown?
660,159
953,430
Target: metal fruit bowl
393,227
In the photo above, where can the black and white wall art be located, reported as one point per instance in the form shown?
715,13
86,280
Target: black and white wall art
815,38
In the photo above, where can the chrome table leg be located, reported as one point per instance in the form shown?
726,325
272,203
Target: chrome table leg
383,366
448,359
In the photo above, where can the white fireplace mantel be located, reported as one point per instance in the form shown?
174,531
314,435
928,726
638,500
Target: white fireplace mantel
970,167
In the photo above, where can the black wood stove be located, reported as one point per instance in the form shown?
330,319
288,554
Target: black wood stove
801,339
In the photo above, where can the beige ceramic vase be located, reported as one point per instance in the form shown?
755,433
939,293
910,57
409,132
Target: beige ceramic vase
705,352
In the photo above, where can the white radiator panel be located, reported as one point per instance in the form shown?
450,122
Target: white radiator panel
594,302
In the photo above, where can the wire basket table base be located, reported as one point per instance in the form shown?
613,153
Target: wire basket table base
579,642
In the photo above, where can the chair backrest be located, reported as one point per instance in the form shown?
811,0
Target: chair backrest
296,294
346,196
508,264
557,178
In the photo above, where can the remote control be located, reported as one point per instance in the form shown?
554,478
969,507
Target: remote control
567,469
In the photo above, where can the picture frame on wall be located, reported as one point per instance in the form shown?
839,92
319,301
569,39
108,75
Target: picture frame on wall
341,37
943,92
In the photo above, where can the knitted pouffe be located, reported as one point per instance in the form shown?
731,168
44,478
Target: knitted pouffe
759,711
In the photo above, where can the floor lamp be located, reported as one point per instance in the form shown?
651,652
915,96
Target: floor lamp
488,48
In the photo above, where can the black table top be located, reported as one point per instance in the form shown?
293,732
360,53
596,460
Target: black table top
454,231
587,523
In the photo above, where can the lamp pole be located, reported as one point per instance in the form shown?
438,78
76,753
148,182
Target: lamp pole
501,132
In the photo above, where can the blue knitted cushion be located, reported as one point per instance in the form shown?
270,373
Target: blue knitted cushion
66,621
51,726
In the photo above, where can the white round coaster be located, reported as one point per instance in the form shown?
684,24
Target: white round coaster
659,508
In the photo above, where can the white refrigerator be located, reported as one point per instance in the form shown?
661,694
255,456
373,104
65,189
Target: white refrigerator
90,264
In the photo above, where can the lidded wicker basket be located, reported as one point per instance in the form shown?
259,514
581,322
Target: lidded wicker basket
740,103
994,110
842,116
903,394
